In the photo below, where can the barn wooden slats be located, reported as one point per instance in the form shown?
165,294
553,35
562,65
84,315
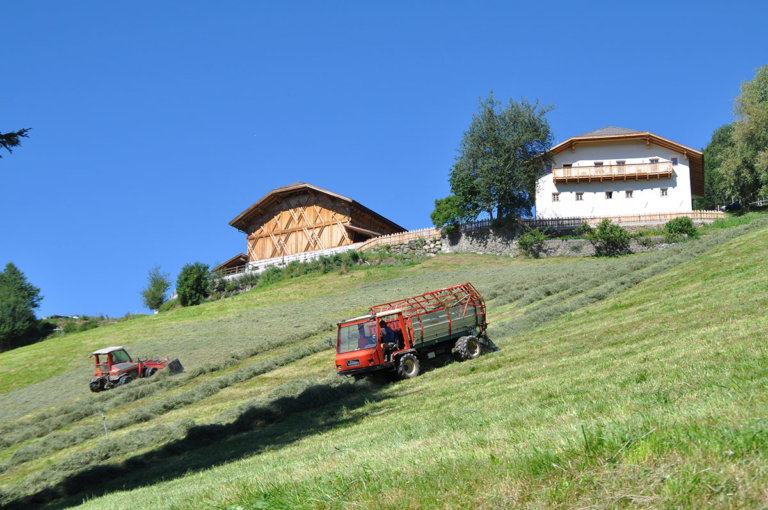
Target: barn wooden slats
300,218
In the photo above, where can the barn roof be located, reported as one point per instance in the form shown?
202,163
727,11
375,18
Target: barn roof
243,219
238,260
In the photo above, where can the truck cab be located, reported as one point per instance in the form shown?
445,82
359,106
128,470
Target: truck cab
359,346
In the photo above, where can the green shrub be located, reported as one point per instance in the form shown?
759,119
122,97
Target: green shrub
531,242
70,327
449,230
677,229
85,326
608,239
192,284
169,305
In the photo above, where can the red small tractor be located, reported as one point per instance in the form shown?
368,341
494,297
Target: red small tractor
396,336
114,367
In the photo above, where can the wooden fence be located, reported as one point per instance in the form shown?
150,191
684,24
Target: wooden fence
401,237
628,219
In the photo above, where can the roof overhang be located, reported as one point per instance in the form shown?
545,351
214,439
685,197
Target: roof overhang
646,136
243,219
107,350
238,260
372,316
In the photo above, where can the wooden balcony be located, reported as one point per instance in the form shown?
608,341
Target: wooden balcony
602,173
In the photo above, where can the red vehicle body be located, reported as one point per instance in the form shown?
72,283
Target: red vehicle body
446,320
114,367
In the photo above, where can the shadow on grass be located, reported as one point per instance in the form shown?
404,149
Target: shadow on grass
257,429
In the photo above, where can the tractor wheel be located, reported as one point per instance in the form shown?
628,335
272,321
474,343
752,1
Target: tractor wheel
467,347
124,380
408,366
96,385
150,371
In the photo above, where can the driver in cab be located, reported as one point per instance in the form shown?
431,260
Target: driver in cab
387,336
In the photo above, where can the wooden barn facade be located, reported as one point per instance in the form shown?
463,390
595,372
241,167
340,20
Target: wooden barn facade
301,218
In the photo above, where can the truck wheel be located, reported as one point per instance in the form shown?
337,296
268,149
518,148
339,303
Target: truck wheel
408,366
149,372
467,347
124,380
96,385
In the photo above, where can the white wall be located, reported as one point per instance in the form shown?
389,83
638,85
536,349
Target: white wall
646,193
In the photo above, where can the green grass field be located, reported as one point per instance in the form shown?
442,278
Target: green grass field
623,382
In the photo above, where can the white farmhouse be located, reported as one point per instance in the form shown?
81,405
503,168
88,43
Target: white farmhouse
616,172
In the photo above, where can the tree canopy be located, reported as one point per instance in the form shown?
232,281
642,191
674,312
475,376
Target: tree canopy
158,283
500,157
18,301
10,140
745,163
192,284
715,189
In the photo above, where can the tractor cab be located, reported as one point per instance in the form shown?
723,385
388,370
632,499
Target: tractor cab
112,359
371,342
114,367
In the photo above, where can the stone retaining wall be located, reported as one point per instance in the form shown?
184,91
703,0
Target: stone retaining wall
503,241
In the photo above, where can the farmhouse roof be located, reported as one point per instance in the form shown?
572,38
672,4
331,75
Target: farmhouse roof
242,220
609,131
617,134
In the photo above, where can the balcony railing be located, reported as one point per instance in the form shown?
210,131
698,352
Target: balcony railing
601,173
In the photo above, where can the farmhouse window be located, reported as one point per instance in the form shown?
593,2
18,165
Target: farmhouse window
654,160
621,162
609,195
663,192
628,193
674,161
598,163
579,196
555,197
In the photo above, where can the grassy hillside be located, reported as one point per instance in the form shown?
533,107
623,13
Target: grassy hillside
631,381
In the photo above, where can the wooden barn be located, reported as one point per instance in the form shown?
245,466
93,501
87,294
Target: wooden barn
301,218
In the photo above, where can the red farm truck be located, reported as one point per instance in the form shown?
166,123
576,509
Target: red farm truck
395,336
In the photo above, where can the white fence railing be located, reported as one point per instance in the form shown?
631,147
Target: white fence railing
259,266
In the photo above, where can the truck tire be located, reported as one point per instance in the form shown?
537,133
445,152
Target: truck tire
467,347
408,366
96,385
124,380
149,371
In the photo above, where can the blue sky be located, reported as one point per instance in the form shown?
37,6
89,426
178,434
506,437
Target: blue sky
156,123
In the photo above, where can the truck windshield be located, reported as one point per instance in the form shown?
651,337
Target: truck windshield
354,337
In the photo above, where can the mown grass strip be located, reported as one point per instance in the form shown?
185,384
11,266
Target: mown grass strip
46,422
83,470
58,441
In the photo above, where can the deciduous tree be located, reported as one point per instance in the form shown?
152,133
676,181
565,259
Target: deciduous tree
158,283
18,301
501,156
715,188
192,284
746,163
